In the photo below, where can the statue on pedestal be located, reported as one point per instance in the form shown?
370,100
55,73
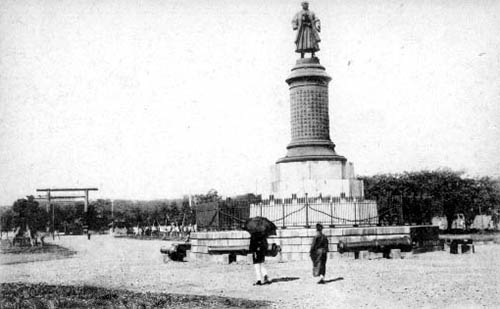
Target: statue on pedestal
308,28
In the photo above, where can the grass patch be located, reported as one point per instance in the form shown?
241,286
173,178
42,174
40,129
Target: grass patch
15,254
21,295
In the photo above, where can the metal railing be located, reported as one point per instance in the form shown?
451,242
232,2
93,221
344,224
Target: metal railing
305,211
289,212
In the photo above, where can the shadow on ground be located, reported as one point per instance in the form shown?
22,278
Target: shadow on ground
334,280
284,279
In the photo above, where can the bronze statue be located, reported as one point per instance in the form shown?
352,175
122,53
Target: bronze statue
307,26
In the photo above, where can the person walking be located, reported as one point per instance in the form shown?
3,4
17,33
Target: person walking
318,253
258,248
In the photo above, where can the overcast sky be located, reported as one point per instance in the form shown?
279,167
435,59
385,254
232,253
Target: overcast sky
156,99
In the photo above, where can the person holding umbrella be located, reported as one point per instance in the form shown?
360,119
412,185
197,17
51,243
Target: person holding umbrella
258,248
259,228
318,253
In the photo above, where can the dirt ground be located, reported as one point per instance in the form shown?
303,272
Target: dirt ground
436,279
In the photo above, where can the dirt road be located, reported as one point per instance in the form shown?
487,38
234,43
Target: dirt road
435,279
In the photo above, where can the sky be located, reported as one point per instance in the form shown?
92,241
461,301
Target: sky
158,99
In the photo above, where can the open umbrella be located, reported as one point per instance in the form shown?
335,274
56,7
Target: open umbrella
261,226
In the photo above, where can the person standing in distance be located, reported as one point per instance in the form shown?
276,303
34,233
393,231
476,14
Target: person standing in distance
318,253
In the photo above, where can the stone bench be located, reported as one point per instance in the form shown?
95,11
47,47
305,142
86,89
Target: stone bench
463,245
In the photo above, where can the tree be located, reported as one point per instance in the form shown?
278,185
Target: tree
27,213
7,220
421,195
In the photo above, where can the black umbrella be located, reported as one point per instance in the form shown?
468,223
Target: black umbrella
260,226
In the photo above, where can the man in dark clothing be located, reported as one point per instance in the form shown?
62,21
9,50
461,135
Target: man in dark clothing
318,254
258,248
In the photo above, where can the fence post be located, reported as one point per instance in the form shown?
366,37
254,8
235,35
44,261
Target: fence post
283,211
261,208
307,212
355,218
218,216
331,213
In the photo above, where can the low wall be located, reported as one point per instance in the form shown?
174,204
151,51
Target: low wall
295,243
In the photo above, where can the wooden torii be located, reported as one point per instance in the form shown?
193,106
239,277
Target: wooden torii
51,197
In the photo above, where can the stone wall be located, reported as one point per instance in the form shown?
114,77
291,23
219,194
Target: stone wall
295,243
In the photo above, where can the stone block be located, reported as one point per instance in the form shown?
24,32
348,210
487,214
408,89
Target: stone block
375,255
333,255
467,249
202,249
220,258
295,233
219,242
246,259
242,242
198,235
358,231
406,255
334,239
333,247
295,248
296,256
395,254
306,241
291,241
335,232
384,230
364,255
311,232
285,256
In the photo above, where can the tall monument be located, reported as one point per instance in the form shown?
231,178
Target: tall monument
311,164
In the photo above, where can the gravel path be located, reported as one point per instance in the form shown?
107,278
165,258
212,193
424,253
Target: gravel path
436,279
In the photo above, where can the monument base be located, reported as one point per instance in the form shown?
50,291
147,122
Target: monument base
296,243
325,178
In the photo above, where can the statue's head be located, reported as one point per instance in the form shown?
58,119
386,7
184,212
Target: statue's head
305,5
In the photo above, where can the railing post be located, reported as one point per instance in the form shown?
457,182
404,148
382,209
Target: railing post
261,208
307,212
218,217
355,218
331,213
283,212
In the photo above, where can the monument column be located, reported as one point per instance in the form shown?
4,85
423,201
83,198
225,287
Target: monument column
310,123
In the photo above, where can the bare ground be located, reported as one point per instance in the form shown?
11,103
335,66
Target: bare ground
436,279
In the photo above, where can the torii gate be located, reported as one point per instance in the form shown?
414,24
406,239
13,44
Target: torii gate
50,197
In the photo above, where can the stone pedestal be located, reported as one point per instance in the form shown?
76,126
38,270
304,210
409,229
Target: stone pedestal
326,178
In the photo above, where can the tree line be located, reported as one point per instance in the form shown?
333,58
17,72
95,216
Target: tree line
416,197
402,198
70,217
